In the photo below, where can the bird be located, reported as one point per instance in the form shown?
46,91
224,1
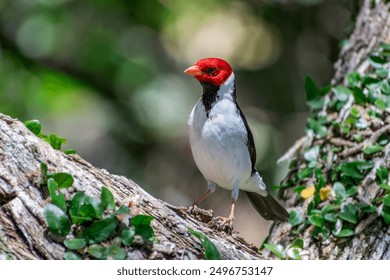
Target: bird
222,143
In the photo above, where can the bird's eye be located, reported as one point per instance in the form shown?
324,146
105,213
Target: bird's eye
210,70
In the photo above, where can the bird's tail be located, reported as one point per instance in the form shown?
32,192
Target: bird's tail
268,207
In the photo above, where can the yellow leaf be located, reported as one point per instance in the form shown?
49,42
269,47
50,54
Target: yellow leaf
325,192
308,192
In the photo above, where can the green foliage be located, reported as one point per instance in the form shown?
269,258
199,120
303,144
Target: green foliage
334,208
85,223
210,251
291,252
55,141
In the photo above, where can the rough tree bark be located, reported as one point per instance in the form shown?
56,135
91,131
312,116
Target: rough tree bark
23,230
371,239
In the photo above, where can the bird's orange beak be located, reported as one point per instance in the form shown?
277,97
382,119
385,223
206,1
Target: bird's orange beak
193,71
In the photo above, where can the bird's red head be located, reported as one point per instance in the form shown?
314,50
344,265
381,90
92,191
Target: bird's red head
210,70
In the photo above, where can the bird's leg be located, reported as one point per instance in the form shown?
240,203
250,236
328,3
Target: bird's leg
210,189
229,220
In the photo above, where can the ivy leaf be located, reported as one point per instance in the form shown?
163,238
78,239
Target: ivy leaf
127,236
83,208
278,250
70,152
57,220
385,87
100,230
34,126
344,233
297,243
142,226
75,243
312,154
340,192
359,96
107,199
386,214
349,213
342,93
55,141
211,252
311,89
71,256
372,149
316,220
64,180
382,174
56,199
317,126
386,200
295,218
376,61
112,252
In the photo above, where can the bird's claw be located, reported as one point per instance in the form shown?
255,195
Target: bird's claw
224,224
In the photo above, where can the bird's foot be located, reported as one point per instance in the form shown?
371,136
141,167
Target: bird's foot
224,224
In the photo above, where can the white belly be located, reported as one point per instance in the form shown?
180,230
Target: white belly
218,144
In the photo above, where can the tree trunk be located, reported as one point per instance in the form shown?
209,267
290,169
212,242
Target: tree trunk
23,229
370,239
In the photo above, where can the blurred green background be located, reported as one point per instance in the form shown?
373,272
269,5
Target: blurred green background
108,76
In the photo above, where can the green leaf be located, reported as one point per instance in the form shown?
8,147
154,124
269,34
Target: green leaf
354,79
57,220
351,191
386,200
211,252
344,233
339,190
382,174
55,141
297,243
122,210
278,250
311,89
316,220
330,217
83,208
381,73
354,112
107,199
71,256
112,252
43,169
304,173
355,169
342,93
34,126
386,214
142,226
64,180
349,213
375,60
385,88
385,187
380,104
98,251
70,152
295,218
56,199
359,96
75,244
312,154
127,236
372,149
317,126
100,230
115,253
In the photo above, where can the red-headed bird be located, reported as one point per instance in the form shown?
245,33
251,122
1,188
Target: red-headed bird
222,142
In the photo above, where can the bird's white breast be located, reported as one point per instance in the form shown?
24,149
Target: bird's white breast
218,143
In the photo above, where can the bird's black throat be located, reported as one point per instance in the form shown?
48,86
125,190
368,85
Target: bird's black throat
210,95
